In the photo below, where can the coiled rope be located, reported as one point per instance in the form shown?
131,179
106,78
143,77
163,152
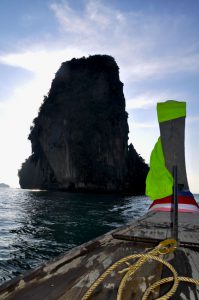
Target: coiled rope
164,247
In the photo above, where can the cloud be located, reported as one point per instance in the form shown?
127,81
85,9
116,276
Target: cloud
141,101
193,119
94,16
156,68
137,40
144,125
69,20
148,100
41,61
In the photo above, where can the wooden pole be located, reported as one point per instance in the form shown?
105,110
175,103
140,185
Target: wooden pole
175,203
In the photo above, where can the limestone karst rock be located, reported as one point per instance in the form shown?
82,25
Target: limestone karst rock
80,137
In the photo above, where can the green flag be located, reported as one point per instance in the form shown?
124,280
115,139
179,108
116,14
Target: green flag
170,109
159,182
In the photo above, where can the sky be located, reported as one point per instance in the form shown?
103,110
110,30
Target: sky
154,42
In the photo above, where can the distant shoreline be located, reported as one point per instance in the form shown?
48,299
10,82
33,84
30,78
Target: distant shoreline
3,185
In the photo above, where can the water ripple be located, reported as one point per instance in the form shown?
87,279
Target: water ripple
36,226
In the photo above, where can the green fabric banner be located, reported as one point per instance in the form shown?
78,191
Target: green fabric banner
170,109
159,182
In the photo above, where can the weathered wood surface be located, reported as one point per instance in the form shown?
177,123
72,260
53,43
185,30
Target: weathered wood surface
173,138
69,276
158,226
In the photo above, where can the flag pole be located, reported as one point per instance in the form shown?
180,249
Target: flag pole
175,203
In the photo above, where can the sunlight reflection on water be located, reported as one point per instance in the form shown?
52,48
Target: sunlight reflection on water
36,226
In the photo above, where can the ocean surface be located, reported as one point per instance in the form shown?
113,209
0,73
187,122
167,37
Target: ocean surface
36,226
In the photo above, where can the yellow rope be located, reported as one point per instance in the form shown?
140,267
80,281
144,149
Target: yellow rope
165,247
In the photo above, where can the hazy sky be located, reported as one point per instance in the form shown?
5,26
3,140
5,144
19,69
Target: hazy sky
154,42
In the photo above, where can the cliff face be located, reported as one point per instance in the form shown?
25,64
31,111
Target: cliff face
137,171
80,137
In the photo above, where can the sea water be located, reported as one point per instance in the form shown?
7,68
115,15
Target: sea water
36,226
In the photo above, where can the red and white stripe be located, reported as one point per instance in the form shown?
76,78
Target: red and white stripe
185,204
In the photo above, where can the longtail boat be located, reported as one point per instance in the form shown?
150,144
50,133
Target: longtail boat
155,257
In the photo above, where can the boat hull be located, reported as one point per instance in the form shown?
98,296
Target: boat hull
70,276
